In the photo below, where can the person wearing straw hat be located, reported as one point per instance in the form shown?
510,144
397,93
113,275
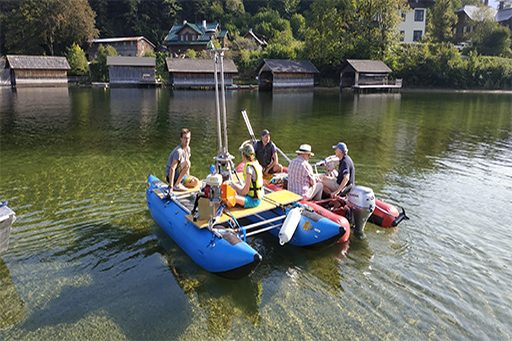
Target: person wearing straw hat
342,184
250,193
301,179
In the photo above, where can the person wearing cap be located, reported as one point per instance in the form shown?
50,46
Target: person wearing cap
250,192
266,153
301,179
342,184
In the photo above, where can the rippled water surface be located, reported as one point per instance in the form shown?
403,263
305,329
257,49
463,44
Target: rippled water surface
86,261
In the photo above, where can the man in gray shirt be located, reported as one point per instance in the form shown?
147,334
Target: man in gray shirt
177,169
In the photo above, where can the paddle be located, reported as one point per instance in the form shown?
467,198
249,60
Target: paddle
251,133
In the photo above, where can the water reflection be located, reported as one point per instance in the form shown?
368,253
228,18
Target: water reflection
12,307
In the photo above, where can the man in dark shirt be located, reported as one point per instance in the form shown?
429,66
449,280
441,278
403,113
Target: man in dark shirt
343,183
266,153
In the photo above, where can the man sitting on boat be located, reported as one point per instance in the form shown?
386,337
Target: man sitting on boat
177,169
266,153
301,179
342,184
250,193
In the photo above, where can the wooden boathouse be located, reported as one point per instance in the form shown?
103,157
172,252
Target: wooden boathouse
37,70
131,71
364,74
198,73
283,73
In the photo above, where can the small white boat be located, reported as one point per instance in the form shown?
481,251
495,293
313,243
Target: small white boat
7,218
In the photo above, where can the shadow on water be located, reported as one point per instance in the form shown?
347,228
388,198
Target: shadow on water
125,276
12,307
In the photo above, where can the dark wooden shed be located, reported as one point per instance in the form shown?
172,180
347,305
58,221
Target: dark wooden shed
283,73
131,71
367,74
198,73
37,70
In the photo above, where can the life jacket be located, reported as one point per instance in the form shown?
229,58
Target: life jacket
256,188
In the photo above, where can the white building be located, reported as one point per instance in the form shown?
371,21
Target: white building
412,28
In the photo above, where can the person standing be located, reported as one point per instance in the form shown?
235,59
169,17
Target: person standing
342,184
301,179
266,153
177,169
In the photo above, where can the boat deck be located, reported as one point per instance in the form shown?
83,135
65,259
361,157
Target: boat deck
269,202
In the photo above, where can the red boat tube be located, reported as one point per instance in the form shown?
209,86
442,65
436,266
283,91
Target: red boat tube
386,215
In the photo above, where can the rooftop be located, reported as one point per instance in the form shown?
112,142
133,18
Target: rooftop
198,65
131,61
288,66
21,62
368,66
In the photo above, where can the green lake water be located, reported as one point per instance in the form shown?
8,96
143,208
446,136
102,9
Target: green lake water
86,261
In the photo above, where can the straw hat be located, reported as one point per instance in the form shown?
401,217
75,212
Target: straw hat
305,149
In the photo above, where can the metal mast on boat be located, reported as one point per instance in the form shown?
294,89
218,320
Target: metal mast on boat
223,158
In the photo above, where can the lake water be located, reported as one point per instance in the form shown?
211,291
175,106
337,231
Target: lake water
86,261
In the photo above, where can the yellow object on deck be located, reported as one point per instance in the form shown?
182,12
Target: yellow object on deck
269,202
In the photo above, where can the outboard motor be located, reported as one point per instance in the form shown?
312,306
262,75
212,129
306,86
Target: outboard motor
361,202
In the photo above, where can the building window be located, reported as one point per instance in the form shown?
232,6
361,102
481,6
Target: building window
416,35
402,35
419,15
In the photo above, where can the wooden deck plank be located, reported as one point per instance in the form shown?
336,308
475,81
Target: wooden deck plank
270,201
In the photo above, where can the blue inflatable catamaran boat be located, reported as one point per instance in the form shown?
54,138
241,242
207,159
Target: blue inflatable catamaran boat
217,236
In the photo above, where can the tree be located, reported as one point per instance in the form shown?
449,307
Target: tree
373,29
326,32
491,39
99,69
48,26
298,24
77,61
441,21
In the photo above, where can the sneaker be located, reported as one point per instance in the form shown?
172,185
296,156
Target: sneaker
179,188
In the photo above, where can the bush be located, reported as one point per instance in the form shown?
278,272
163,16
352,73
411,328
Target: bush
99,69
77,61
441,65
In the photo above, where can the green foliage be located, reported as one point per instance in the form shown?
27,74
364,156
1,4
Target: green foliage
441,21
441,65
492,39
77,61
269,24
162,73
298,24
48,26
99,69
190,54
326,35
247,61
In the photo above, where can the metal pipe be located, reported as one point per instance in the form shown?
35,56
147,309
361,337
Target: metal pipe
217,106
223,91
261,231
248,227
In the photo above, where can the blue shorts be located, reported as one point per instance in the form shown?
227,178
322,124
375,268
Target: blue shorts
251,202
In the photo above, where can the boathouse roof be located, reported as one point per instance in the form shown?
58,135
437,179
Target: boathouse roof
367,66
22,62
504,14
287,66
131,61
120,40
198,65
